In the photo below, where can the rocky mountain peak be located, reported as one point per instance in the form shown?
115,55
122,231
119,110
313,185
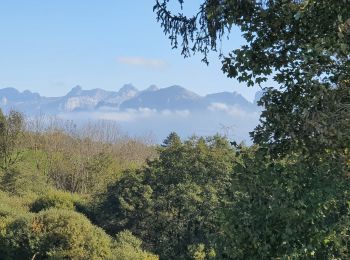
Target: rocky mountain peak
75,91
127,88
152,88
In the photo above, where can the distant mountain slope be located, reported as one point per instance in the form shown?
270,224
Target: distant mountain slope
11,98
172,98
231,99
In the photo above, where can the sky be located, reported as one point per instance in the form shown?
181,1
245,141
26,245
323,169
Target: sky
50,46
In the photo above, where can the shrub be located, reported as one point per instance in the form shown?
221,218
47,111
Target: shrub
12,205
54,233
129,247
64,234
54,199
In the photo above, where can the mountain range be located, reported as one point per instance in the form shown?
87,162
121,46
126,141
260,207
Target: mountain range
155,110
128,97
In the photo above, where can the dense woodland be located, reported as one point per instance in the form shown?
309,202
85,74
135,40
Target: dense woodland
93,193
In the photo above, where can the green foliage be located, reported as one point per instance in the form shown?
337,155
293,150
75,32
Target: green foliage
119,207
13,205
78,172
56,234
199,252
78,162
54,199
172,202
129,247
11,127
313,120
27,176
10,181
287,209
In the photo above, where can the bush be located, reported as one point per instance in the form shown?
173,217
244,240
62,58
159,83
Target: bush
29,175
13,205
63,234
54,199
129,247
54,233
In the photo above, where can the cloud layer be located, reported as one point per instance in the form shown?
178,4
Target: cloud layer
214,119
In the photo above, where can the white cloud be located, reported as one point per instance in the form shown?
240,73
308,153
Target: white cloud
115,116
218,107
142,62
166,112
182,113
130,115
231,110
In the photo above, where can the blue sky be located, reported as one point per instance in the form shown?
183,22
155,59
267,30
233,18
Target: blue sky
49,46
